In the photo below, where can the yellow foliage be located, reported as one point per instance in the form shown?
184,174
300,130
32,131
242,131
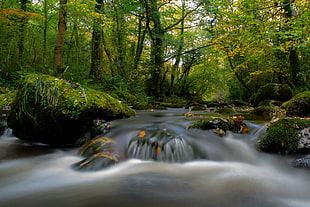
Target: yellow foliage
256,72
8,13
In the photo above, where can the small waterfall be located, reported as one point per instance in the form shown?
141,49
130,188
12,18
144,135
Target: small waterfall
160,145
258,132
5,130
176,150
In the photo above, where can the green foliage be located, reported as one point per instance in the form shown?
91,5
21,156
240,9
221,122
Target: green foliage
282,136
214,43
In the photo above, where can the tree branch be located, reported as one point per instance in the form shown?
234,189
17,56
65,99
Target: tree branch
188,51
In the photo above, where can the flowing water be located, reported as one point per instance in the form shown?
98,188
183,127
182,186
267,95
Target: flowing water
230,172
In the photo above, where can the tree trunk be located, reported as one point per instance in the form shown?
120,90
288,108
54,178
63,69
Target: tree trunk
120,62
60,41
45,31
22,33
139,48
179,50
239,78
293,55
157,50
96,43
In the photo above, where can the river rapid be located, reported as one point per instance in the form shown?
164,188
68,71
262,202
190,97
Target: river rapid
234,175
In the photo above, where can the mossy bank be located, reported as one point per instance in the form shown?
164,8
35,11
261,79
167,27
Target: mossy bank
55,111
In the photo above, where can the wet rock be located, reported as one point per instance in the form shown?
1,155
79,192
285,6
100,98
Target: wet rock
304,141
100,126
160,145
54,111
99,153
302,162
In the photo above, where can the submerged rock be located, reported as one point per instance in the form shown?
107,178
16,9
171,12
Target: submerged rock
58,112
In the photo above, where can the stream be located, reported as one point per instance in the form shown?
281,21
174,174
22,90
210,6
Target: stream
234,174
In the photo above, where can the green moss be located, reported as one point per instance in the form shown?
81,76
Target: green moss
282,136
263,110
7,99
299,105
225,110
63,97
58,111
216,123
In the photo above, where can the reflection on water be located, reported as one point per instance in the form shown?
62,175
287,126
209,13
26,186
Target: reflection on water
235,174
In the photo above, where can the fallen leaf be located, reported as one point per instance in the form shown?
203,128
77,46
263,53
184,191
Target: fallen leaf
158,150
141,134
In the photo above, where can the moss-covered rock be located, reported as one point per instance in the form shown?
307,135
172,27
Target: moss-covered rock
284,136
226,110
263,110
219,124
55,111
299,105
272,91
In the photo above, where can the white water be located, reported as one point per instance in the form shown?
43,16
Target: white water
236,174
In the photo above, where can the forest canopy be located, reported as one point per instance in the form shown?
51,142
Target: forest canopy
152,50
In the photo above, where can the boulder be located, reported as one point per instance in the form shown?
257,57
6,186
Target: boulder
150,143
221,125
299,105
263,110
160,144
286,136
58,112
98,153
272,91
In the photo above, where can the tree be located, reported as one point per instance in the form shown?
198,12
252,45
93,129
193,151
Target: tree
60,42
22,31
96,43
